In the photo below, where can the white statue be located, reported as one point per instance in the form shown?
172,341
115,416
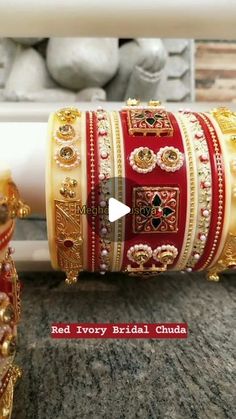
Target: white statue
83,69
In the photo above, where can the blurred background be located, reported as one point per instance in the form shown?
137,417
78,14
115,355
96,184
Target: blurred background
92,69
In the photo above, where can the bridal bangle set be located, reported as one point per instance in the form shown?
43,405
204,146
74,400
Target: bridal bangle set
11,206
177,173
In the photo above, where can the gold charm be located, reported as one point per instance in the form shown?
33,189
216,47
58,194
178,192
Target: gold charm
66,134
133,102
156,209
149,121
68,238
11,206
8,346
140,254
68,115
154,103
165,254
142,160
170,159
226,120
68,188
67,157
227,261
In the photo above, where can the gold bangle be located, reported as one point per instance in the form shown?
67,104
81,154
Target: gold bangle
63,192
224,122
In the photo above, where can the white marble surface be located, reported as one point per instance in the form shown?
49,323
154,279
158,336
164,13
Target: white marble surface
119,18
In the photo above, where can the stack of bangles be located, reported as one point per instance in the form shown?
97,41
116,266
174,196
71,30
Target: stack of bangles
175,171
11,207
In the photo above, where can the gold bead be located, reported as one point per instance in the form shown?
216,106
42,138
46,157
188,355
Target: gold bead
71,194
8,346
213,276
7,314
71,278
234,192
23,211
233,138
63,191
154,103
16,373
132,102
5,413
73,182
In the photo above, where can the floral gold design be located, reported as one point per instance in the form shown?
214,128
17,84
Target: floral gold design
170,159
68,237
226,120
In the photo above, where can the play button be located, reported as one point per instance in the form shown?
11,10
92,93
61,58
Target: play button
116,210
105,214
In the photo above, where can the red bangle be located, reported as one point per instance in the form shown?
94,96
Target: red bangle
159,196
6,236
218,193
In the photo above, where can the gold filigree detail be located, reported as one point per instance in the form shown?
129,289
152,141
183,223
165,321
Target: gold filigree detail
12,277
11,205
226,120
227,260
6,400
133,102
141,254
142,160
68,238
68,115
154,103
170,159
68,188
149,121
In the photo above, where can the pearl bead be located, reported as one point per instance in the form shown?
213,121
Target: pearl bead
203,237
204,158
104,252
205,213
104,154
102,273
103,204
103,266
196,256
102,131
199,134
100,116
3,296
189,269
7,267
101,176
207,184
104,231
11,250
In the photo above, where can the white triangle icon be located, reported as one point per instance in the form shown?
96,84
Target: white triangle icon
116,210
